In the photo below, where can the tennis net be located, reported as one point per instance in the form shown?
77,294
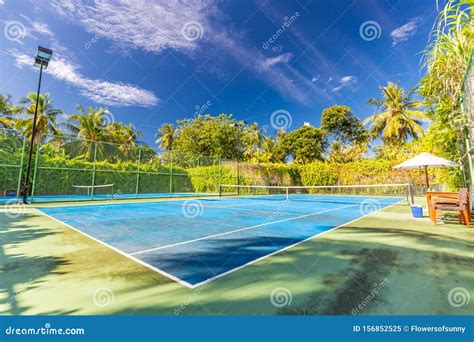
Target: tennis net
317,193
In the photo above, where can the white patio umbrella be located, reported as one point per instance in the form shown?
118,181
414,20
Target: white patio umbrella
426,160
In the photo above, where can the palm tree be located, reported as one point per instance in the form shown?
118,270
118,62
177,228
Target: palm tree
89,126
398,117
46,121
165,136
7,111
125,135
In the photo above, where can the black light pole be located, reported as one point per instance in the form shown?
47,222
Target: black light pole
42,59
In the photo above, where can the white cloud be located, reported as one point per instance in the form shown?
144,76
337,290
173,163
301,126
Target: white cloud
269,62
100,91
37,27
404,32
2,2
344,82
151,26
158,26
42,28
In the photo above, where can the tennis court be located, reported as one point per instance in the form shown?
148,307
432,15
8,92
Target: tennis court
194,241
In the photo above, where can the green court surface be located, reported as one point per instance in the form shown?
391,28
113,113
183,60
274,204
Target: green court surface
387,263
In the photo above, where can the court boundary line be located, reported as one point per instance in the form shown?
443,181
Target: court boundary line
191,286
131,257
288,247
240,230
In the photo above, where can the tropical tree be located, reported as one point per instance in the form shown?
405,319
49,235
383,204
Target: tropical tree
47,116
446,59
165,136
306,144
208,135
349,135
90,126
124,135
397,118
252,139
7,111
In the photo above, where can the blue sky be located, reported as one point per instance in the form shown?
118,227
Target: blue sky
152,62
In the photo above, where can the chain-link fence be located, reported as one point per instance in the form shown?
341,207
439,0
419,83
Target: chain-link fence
12,158
67,168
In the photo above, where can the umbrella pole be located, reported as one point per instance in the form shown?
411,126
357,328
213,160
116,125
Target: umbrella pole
427,180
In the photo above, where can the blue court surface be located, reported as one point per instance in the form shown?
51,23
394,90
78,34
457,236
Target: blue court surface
197,240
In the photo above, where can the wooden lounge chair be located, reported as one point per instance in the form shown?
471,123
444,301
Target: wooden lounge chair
460,204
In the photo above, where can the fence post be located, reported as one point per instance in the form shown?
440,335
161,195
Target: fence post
20,173
238,178
93,169
138,171
33,187
171,173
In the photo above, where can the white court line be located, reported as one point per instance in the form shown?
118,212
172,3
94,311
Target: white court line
240,230
166,274
208,280
192,286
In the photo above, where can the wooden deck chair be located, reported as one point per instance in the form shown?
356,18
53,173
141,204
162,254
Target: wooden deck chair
461,205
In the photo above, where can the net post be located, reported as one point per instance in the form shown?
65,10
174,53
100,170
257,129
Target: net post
287,193
138,172
171,174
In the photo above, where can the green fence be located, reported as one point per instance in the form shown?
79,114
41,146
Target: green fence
67,168
12,158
